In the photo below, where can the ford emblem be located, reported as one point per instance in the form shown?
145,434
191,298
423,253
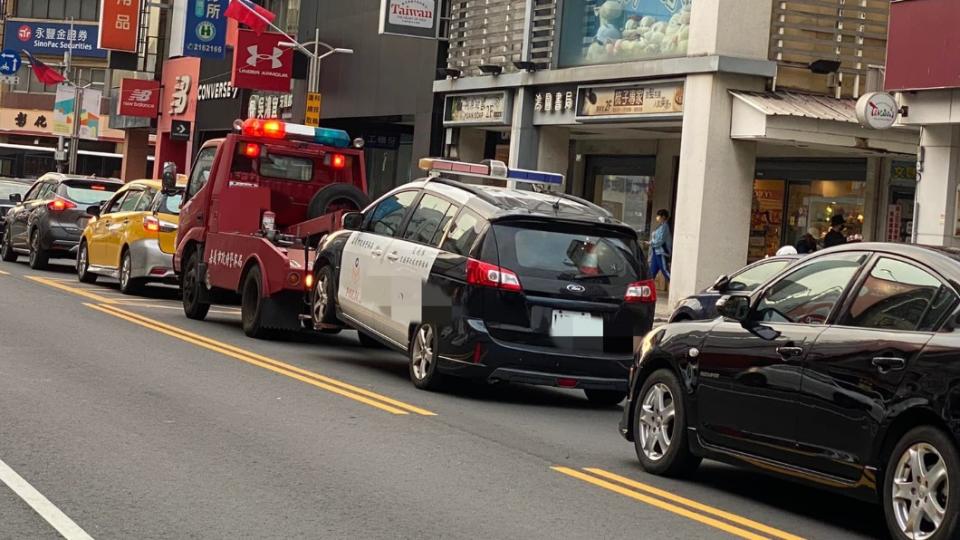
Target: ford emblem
573,287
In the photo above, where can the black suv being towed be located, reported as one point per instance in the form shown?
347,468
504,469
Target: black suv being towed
842,372
491,283
49,221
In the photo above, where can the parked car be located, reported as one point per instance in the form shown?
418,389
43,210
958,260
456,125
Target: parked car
840,372
490,283
748,278
11,192
49,221
132,237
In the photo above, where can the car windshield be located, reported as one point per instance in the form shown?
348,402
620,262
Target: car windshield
9,188
755,276
88,192
170,204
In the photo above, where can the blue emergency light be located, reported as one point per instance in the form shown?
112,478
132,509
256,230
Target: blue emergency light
337,138
535,177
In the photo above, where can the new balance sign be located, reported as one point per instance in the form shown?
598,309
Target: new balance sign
260,63
139,98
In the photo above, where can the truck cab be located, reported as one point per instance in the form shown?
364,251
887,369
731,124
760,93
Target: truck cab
256,202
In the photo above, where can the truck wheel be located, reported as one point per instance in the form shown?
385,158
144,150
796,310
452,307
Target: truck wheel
324,298
39,259
83,265
190,291
251,305
337,197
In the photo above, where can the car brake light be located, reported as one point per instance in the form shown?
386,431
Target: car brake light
566,382
491,275
641,292
98,188
58,205
251,150
151,224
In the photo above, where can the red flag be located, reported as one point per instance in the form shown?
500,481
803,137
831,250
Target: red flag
43,72
256,17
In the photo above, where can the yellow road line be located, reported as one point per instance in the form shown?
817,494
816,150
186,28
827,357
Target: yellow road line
74,290
663,505
2,273
694,504
332,385
158,306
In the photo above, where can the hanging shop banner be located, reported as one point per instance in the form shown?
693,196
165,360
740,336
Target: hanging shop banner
119,25
414,18
206,32
312,115
260,63
63,108
629,101
483,109
139,98
53,38
90,117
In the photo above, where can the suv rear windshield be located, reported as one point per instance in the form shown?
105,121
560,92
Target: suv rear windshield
82,192
567,252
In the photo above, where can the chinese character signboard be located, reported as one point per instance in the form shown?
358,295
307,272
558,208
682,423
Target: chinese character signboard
206,32
486,109
37,122
630,101
260,63
63,109
555,105
269,106
53,38
139,98
313,109
414,18
119,25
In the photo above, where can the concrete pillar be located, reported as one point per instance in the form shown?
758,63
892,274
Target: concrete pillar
136,147
553,150
524,136
715,190
935,220
665,176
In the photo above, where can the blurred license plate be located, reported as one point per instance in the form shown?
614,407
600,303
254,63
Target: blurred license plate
575,324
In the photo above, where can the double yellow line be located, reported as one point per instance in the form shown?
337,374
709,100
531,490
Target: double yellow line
690,509
329,384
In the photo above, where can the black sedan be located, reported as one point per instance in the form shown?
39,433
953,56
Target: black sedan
842,372
748,278
11,192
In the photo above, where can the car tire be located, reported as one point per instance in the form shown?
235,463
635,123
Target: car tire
323,302
39,258
84,275
660,426
251,305
605,398
424,358
6,248
368,341
128,283
907,496
190,289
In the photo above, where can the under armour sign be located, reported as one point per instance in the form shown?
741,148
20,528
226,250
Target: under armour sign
261,63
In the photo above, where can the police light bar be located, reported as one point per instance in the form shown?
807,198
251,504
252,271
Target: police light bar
278,129
492,168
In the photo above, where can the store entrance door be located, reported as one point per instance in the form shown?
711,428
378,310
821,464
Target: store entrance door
624,186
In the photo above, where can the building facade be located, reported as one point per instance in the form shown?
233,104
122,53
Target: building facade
736,115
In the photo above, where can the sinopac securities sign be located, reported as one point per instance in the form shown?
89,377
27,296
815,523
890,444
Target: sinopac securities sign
417,18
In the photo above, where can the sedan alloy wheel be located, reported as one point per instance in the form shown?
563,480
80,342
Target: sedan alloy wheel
657,423
920,491
422,353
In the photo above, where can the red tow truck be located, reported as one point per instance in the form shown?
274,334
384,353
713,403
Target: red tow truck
256,203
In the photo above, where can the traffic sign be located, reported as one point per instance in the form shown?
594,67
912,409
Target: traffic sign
10,62
180,130
313,109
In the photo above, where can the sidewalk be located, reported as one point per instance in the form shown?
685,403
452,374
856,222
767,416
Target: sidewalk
663,307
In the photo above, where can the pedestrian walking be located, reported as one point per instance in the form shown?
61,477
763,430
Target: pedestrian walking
661,246
835,235
808,242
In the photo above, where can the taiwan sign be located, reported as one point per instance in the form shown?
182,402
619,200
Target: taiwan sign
260,63
119,25
414,18
53,38
139,98
206,32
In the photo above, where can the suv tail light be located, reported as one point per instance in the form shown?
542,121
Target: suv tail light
59,205
491,275
151,224
641,292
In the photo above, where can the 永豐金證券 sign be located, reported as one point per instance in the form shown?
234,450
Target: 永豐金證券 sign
53,38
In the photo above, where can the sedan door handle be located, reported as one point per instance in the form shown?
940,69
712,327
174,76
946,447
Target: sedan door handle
376,253
885,364
393,256
789,352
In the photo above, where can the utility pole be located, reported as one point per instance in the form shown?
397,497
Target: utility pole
67,57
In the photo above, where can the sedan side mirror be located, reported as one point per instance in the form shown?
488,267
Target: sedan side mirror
721,284
94,211
734,306
168,179
16,198
352,221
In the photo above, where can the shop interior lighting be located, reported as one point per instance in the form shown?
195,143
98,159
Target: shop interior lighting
824,67
491,69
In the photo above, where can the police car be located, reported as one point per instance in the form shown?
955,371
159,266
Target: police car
488,282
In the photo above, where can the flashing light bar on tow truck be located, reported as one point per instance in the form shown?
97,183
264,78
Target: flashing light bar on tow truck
278,129
490,168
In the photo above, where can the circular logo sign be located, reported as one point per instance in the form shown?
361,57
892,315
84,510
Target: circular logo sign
206,31
877,110
24,33
10,62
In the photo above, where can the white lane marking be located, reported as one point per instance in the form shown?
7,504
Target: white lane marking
41,505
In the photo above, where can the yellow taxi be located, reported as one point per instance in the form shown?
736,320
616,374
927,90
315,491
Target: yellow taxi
131,237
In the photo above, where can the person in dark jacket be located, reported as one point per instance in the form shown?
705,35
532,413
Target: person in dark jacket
835,236
808,242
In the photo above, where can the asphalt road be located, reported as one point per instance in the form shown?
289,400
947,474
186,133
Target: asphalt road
135,422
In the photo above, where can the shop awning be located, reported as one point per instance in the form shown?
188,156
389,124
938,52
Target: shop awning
811,121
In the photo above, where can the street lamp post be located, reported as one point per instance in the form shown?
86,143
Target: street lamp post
313,70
